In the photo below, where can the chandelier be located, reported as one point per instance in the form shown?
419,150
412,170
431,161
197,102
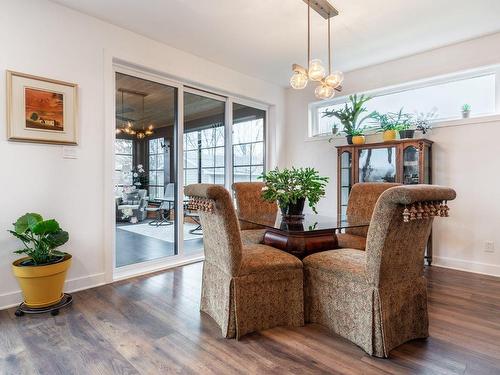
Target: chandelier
327,83
128,125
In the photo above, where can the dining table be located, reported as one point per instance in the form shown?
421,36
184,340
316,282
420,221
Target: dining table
305,235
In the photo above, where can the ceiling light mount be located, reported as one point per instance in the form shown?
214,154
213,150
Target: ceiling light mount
323,8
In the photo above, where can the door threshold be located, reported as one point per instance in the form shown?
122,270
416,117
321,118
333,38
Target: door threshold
151,266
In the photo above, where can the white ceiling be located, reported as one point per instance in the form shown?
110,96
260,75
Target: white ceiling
262,38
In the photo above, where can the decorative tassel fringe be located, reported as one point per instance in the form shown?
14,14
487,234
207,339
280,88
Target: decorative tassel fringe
201,204
425,210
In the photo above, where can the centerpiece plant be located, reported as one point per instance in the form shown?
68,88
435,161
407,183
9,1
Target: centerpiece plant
41,274
291,187
350,116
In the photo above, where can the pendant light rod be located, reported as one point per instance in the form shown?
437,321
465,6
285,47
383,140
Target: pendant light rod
308,33
329,50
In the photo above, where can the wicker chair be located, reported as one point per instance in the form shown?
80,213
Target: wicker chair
360,207
249,204
378,298
245,288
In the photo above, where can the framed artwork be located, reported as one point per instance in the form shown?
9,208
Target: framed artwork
41,110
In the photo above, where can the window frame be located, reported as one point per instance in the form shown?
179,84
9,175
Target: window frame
314,107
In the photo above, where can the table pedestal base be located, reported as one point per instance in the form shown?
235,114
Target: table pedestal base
301,244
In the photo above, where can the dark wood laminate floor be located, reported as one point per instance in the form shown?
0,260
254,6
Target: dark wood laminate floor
132,248
151,325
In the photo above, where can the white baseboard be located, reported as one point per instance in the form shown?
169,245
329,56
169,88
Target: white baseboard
467,265
12,299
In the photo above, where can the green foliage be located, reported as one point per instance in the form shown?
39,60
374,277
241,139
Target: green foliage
34,116
393,121
288,185
39,237
350,114
466,108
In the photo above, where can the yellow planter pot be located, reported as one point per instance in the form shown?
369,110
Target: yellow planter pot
358,139
42,286
389,135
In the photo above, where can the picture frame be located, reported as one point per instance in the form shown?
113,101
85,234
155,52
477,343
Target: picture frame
41,110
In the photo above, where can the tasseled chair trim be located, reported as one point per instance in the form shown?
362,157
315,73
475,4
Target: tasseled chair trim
425,210
201,204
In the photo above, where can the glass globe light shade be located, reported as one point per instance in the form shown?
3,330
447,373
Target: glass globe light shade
324,91
316,70
335,79
298,80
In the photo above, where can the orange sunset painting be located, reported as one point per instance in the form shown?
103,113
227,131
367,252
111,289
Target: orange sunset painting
44,109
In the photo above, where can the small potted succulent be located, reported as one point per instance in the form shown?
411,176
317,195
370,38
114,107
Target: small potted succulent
466,108
349,117
41,274
390,123
291,187
335,129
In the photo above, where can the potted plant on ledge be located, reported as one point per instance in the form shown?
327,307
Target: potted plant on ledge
291,187
41,274
386,126
466,108
349,117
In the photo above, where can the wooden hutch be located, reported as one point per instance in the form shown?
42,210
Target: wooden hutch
407,161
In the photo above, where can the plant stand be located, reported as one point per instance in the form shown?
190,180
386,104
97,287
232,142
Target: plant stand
54,309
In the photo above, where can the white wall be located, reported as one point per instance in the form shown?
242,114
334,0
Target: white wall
465,157
41,38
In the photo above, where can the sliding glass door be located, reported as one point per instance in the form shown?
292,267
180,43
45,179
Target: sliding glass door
145,170
168,136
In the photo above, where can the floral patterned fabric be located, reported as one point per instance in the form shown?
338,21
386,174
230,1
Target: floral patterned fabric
252,236
362,199
250,205
245,288
351,241
379,300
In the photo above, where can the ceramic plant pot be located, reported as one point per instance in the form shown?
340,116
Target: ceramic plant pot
389,135
42,285
358,140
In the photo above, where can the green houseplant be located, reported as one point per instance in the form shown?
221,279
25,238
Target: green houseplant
41,274
466,108
291,187
350,117
392,122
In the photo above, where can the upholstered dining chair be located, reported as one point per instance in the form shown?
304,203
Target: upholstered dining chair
378,298
360,205
244,288
249,204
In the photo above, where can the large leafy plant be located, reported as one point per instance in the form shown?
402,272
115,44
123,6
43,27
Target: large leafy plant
40,238
350,114
288,185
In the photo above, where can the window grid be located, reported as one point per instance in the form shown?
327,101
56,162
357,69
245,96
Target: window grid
204,166
251,166
129,156
156,169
